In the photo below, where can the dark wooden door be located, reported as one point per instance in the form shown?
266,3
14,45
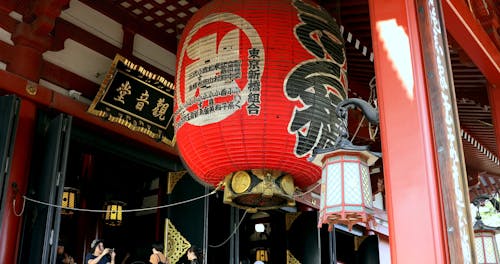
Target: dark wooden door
41,221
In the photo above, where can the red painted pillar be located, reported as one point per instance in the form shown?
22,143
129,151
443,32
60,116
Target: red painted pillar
494,98
415,214
473,39
27,59
11,223
30,41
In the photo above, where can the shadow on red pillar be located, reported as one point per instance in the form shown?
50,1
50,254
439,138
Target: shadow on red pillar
416,227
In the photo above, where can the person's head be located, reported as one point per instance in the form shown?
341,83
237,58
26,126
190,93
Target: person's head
194,253
157,247
97,246
60,248
67,259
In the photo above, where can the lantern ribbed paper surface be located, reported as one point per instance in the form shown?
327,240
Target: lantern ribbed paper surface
257,83
346,193
486,247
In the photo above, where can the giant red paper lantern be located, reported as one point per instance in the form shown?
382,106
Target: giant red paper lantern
257,83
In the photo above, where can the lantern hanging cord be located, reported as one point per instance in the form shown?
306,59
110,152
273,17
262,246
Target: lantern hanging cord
232,234
308,191
25,198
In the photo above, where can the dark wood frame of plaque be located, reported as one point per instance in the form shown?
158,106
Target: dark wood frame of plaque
138,99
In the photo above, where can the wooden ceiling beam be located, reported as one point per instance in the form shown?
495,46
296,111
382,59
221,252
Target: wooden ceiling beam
472,37
6,51
68,80
160,37
6,22
7,5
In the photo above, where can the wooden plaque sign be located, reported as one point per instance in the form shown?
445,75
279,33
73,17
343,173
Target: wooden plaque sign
137,99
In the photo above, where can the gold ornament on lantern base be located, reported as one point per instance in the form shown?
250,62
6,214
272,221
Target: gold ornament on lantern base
262,189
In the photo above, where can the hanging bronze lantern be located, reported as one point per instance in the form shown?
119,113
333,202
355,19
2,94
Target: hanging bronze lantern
257,84
113,215
69,200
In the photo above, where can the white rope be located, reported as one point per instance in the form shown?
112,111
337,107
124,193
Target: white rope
14,207
104,211
234,232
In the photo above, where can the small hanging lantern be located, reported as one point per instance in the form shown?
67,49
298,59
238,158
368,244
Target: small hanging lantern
261,255
69,200
113,216
346,192
486,245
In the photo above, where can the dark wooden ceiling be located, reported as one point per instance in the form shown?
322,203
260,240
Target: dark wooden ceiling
162,21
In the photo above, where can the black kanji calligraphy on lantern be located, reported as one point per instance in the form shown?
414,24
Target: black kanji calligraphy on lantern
137,99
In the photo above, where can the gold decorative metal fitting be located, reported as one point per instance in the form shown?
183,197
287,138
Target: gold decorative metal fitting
260,189
290,258
173,178
31,88
176,245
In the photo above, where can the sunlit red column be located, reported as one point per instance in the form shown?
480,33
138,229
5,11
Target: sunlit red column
415,215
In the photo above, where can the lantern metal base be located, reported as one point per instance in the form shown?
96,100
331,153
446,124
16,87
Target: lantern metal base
348,219
259,189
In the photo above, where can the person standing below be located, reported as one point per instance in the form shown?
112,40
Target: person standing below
63,257
157,257
195,255
99,254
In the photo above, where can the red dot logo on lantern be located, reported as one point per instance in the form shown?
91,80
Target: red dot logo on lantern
257,83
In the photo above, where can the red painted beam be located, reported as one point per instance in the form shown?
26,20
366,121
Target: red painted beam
6,22
68,80
15,84
64,30
472,37
415,214
7,5
5,52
